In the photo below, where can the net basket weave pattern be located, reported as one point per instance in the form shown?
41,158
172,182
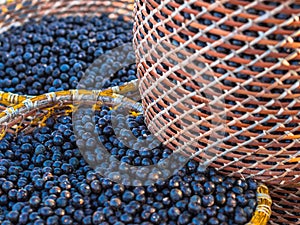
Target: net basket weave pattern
223,76
286,205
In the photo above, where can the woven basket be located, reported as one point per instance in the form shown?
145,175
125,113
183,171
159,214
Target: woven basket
26,113
220,81
17,12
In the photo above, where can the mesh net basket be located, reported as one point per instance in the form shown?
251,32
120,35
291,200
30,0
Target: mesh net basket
220,82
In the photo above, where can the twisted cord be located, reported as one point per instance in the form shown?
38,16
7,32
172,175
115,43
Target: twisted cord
263,210
8,98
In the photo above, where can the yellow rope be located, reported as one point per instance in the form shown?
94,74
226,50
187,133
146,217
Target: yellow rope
65,102
263,210
8,99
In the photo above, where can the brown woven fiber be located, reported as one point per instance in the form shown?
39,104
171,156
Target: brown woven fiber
286,205
220,81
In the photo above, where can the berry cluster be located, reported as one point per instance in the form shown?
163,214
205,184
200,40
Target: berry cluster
45,180
54,53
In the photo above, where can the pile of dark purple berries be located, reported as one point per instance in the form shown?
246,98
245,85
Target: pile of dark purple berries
54,53
44,178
